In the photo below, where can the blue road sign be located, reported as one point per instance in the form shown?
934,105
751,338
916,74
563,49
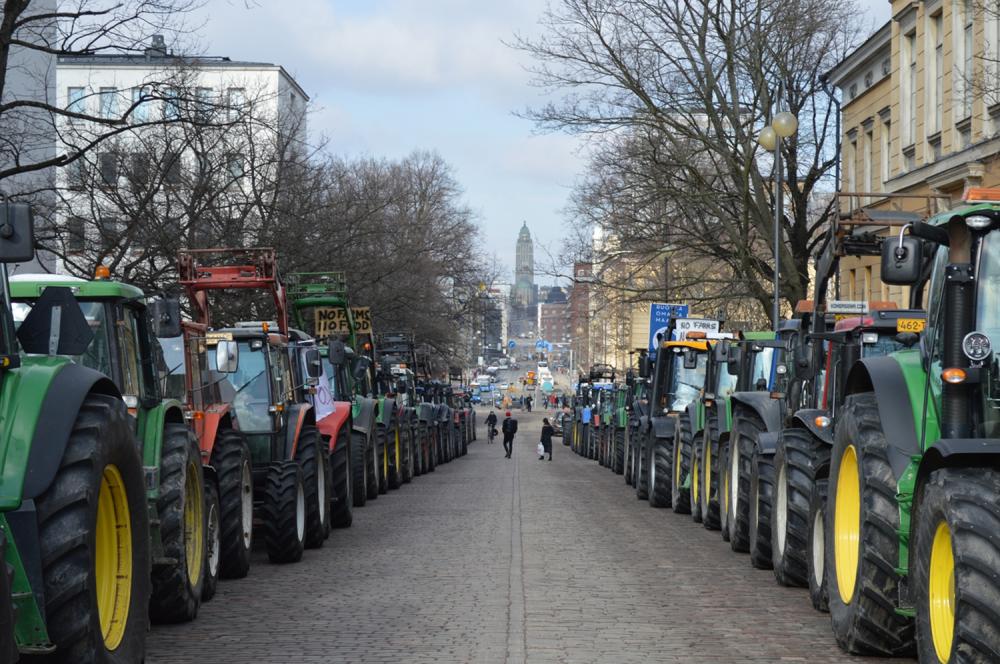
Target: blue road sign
540,344
659,315
512,344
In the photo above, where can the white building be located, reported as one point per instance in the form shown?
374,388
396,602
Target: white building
252,108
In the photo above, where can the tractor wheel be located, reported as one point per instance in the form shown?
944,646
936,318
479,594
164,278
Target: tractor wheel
697,487
631,448
93,538
8,646
233,471
313,455
818,592
177,588
639,475
602,459
360,469
465,438
384,467
409,461
419,460
431,449
341,481
680,496
958,615
862,544
710,477
796,460
213,541
761,498
373,467
723,467
284,512
742,441
658,456
621,442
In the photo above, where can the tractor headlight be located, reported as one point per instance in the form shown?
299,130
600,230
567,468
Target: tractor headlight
978,222
869,338
976,346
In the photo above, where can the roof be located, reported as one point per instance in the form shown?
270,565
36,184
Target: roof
25,286
696,345
857,57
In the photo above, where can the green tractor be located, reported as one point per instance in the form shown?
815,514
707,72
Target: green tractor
913,509
74,520
123,348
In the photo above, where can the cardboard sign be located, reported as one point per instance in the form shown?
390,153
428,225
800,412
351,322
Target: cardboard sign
330,321
849,307
362,320
213,338
684,325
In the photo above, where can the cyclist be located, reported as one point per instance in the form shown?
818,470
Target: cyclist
491,426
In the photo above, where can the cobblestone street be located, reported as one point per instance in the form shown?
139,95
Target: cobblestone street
495,560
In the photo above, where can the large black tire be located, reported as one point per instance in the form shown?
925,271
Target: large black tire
819,593
419,458
697,487
409,453
601,453
367,442
680,497
213,540
284,512
639,475
101,464
863,594
618,460
8,646
177,588
798,457
384,458
234,473
955,568
431,447
659,466
761,497
742,442
725,491
342,481
313,455
710,477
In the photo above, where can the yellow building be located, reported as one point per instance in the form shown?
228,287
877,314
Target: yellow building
917,119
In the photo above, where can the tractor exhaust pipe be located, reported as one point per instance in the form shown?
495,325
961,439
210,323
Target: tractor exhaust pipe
957,322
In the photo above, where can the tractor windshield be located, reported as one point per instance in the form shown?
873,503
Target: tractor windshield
762,361
725,382
885,345
98,354
685,384
988,322
252,385
173,375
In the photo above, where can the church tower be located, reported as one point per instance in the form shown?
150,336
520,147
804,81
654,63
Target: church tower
524,270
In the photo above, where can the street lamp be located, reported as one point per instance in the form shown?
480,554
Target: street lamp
783,125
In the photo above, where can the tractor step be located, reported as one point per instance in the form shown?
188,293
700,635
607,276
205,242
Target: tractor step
164,561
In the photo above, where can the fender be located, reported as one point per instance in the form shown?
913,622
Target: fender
761,403
151,423
692,412
767,442
207,428
47,422
899,402
330,425
807,419
365,416
297,416
664,427
967,452
425,412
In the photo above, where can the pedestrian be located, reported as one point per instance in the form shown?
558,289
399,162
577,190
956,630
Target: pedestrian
545,403
509,428
491,426
527,401
547,432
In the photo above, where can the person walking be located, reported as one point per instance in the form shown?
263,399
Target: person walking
527,401
491,426
547,431
509,428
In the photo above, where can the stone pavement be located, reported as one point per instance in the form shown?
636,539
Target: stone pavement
494,560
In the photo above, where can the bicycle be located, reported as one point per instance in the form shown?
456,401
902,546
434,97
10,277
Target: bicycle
492,434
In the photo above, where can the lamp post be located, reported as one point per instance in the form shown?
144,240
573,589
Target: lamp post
783,125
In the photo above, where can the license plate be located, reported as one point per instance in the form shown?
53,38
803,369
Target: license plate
910,325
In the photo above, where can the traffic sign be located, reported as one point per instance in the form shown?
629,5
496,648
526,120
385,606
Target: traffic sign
512,344
659,317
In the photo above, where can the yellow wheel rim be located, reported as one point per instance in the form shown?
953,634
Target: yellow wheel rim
113,557
725,493
708,472
194,519
385,461
677,463
847,524
941,592
694,483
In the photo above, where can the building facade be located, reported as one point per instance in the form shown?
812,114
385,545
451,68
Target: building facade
920,118
524,294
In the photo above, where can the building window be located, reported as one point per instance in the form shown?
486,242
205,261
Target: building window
963,59
172,167
235,165
866,174
108,167
203,103
851,169
76,100
885,144
138,172
171,105
108,103
964,129
909,158
908,96
236,100
935,73
76,234
934,148
140,107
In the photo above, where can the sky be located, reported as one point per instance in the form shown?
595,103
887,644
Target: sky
388,77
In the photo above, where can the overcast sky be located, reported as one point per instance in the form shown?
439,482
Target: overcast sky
391,76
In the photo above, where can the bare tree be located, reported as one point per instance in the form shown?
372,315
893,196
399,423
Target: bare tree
674,93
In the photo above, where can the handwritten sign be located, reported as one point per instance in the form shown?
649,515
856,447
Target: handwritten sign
330,321
362,320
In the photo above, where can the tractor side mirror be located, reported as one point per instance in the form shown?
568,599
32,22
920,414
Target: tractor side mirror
227,356
901,260
336,352
360,369
733,359
17,233
690,359
165,316
314,365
